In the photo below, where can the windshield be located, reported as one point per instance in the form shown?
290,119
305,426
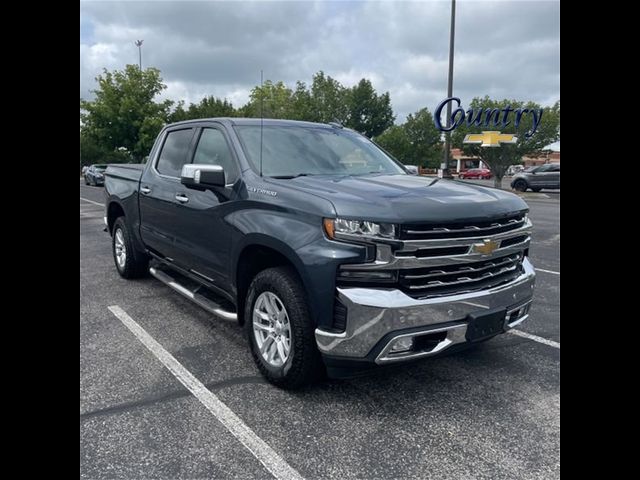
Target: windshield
100,167
288,151
531,169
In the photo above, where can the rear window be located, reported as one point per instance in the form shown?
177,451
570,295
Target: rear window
174,152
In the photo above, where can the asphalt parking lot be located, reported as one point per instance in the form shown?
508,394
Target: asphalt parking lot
490,412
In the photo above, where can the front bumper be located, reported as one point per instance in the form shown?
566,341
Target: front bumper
376,318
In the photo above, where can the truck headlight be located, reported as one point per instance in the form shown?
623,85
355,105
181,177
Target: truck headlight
333,226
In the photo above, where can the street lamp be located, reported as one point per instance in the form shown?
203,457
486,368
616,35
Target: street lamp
447,135
139,45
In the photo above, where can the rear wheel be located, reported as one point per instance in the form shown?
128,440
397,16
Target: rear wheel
520,186
279,329
130,263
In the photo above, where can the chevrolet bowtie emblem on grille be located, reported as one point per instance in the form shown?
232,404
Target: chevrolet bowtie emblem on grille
485,248
490,139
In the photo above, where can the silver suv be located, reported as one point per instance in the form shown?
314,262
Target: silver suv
537,178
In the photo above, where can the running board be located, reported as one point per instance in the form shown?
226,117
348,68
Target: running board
201,300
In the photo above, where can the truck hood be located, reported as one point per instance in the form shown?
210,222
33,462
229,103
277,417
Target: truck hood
407,198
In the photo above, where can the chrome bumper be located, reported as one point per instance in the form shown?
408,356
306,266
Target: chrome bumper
373,313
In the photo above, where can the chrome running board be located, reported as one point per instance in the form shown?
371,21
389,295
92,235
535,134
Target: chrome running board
193,295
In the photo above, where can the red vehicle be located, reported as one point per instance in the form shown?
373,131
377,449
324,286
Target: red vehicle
482,173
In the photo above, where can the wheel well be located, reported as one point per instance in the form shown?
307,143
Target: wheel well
252,260
113,212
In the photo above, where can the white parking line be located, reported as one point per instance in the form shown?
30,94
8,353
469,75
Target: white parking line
535,338
547,271
91,201
273,462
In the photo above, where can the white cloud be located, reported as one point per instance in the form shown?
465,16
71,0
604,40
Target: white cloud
507,49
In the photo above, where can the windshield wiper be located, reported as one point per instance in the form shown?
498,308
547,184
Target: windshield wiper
288,177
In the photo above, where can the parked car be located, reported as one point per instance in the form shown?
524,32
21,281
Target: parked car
95,175
328,265
513,169
413,170
537,178
482,173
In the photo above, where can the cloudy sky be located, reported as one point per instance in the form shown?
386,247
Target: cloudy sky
504,49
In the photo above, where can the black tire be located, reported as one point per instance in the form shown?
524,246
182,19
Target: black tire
304,365
136,263
520,186
536,189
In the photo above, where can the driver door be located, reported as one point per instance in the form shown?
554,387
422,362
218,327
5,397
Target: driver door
203,236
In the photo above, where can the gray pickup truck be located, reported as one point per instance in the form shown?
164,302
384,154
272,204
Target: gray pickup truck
321,245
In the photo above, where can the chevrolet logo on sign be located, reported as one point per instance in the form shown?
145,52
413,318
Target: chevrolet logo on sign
487,247
490,139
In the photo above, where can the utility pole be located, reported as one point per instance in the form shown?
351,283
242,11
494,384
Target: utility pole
139,45
447,135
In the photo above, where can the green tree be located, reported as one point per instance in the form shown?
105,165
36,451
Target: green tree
210,107
273,99
179,113
369,113
396,141
499,159
328,100
301,107
92,153
124,113
415,142
424,138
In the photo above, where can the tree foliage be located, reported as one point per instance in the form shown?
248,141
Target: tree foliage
121,123
271,100
124,113
500,158
415,142
369,113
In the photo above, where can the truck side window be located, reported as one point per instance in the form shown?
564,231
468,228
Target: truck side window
174,152
212,149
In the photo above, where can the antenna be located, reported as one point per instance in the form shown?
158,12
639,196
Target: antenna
261,119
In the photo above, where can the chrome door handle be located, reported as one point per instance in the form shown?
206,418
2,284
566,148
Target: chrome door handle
145,190
182,198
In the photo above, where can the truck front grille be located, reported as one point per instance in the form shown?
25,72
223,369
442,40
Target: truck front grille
446,259
460,278
461,229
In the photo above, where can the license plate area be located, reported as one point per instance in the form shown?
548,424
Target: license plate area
486,324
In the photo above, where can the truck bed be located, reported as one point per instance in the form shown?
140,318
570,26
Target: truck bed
125,171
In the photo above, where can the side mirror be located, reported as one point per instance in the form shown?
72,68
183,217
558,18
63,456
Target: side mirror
201,177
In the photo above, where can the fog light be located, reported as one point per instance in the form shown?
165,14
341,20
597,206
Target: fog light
402,344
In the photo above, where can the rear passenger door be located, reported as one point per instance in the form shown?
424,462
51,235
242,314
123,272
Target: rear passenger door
159,186
554,177
203,235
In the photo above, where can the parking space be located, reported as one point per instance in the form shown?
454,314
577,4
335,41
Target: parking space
490,412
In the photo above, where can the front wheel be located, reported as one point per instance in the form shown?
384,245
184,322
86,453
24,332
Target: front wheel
520,186
536,189
279,329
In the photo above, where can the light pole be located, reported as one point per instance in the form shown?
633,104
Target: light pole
447,135
139,45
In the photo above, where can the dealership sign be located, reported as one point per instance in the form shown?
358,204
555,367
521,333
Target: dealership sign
486,117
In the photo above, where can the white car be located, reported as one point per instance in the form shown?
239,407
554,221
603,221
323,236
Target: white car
513,169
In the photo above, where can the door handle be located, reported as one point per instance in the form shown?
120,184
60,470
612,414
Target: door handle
182,198
145,190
